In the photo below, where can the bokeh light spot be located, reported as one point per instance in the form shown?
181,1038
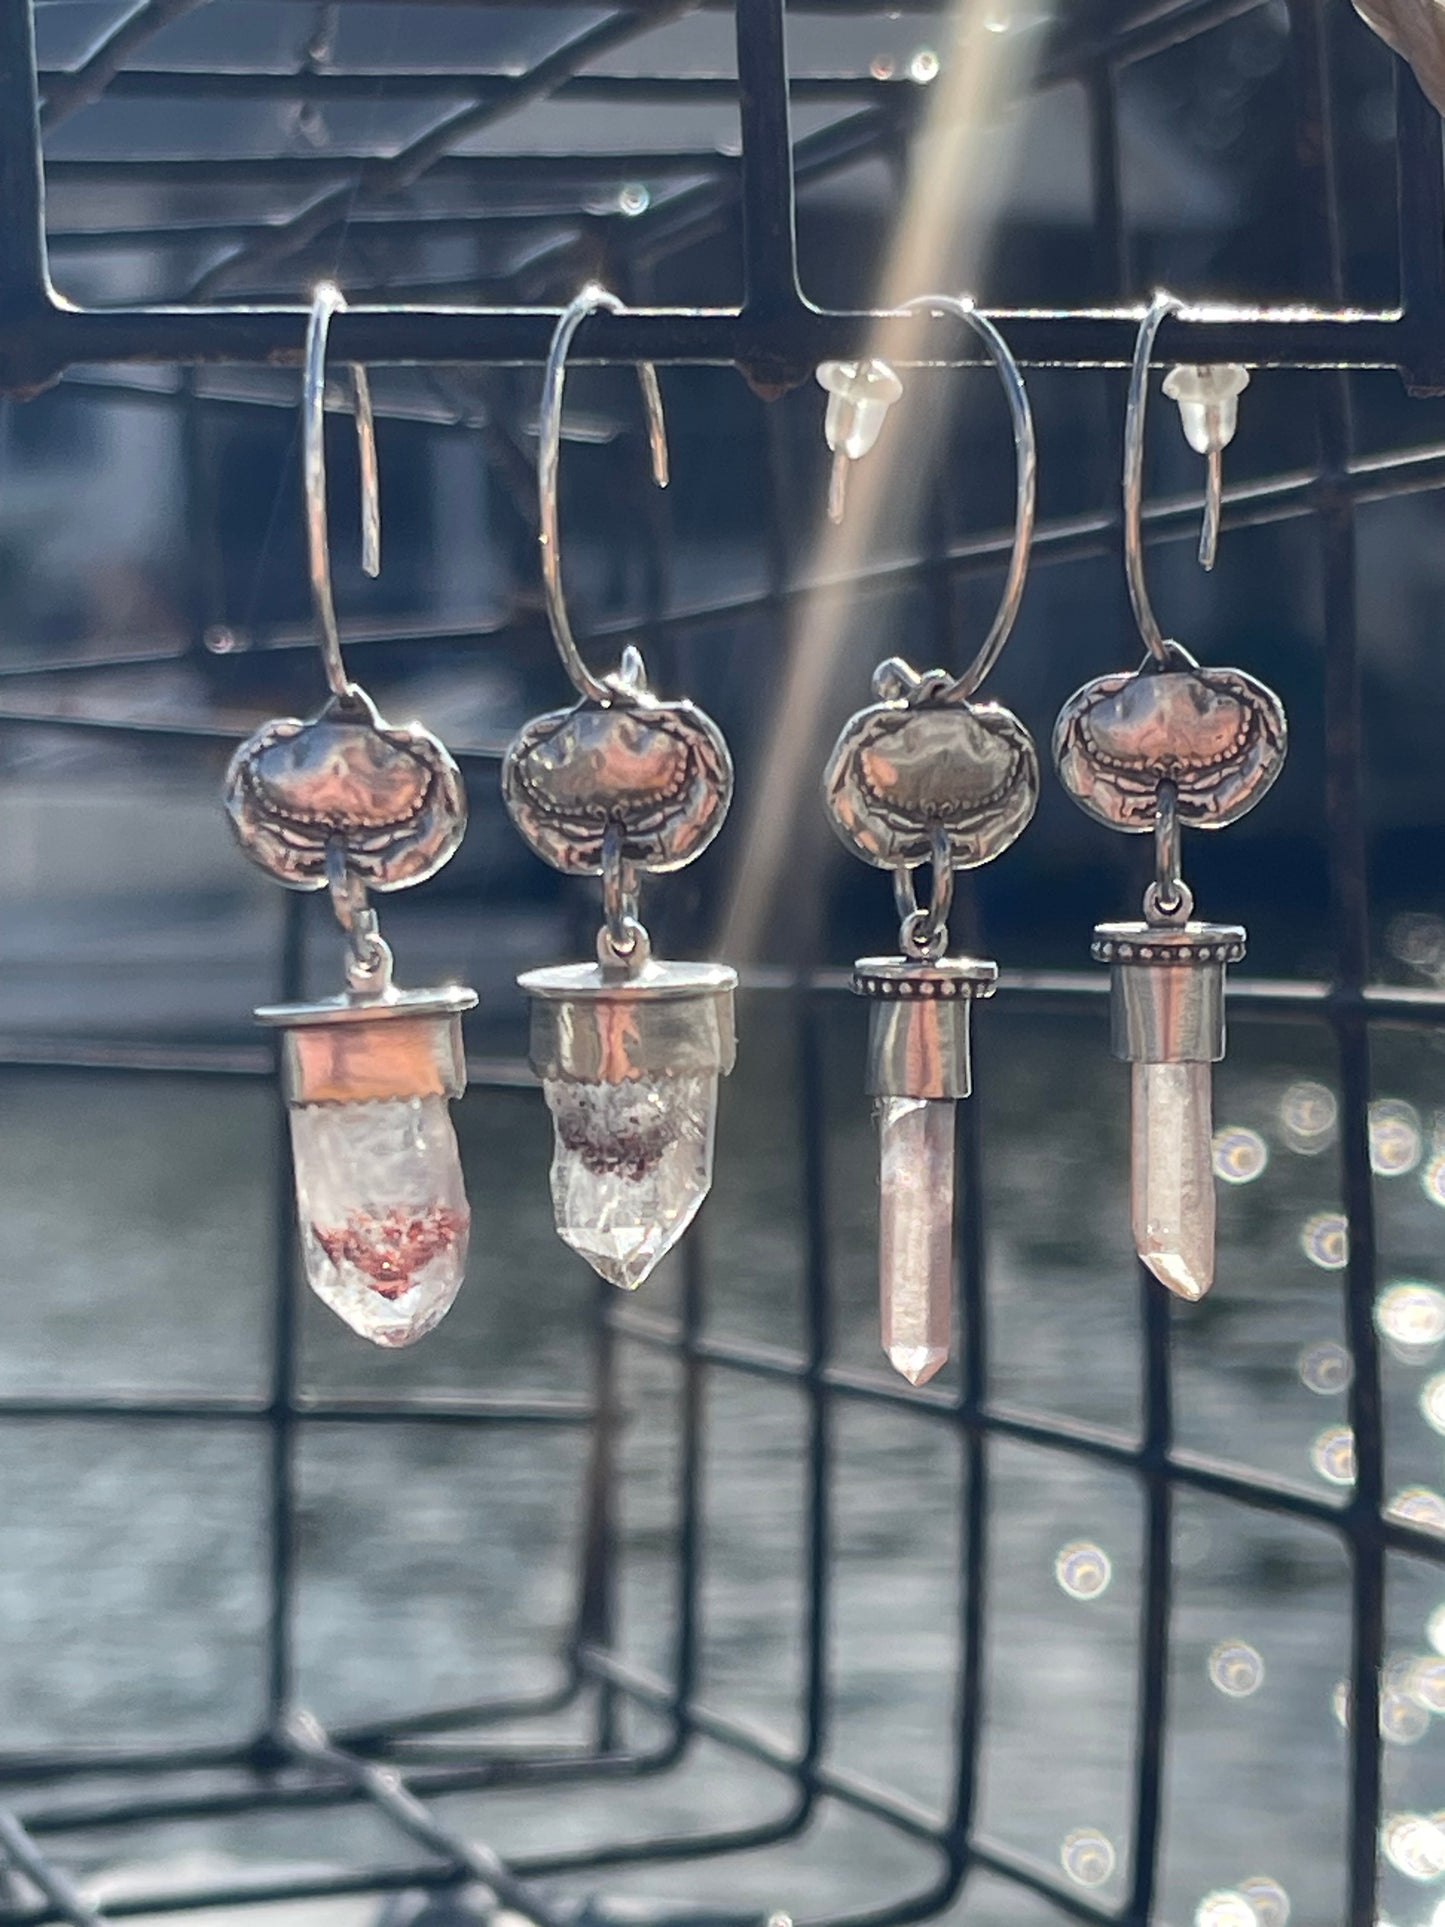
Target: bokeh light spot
1325,1241
1417,1505
1308,1114
1425,1683
1395,1141
1226,1907
1268,1899
1402,1721
1414,1845
1083,1570
1240,1155
1326,1367
1411,1313
1087,1856
1236,1668
1333,1455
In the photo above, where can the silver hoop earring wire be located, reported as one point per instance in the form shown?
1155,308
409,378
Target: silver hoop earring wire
328,301
549,453
1160,308
1026,463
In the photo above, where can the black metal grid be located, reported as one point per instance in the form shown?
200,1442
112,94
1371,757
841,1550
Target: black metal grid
776,337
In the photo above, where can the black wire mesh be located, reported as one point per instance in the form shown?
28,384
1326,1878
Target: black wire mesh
227,232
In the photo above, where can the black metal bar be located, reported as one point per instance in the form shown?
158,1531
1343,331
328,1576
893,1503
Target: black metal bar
975,1570
24,273
329,84
404,168
595,1617
21,1853
1350,921
691,1421
373,335
66,94
422,1410
770,260
776,338
281,1414
817,1303
390,1793
1421,190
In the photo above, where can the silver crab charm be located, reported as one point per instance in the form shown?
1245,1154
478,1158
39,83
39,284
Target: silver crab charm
655,775
1217,735
392,794
924,763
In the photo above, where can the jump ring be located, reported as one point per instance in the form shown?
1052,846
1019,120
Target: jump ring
1168,876
924,932
1173,912
921,938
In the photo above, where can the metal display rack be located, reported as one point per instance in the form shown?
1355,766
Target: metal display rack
776,337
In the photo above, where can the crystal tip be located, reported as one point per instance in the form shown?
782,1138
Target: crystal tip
917,1363
1176,1275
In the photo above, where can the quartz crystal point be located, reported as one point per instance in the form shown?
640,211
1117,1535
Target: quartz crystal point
1173,1175
915,1278
631,1164
382,1212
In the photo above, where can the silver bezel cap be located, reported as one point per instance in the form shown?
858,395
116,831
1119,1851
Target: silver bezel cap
358,1050
941,979
600,1026
1183,943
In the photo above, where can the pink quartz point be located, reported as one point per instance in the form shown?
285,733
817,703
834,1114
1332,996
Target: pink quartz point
1172,1177
915,1244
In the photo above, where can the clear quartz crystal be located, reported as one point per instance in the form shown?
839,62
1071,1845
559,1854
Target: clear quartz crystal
631,1164
382,1212
915,1227
1173,1175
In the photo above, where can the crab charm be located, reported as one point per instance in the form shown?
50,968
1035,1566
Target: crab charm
657,773
922,762
1216,735
394,795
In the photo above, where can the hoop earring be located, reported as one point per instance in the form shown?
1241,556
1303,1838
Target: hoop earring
349,803
1168,746
926,775
623,784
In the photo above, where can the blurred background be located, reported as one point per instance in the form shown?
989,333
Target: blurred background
154,609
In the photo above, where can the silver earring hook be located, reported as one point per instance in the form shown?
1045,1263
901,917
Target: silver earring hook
630,679
1160,308
1026,464
327,301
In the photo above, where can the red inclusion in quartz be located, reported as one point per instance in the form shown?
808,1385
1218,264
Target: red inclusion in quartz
393,1246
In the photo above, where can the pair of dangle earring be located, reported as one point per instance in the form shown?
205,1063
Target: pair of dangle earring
349,803
928,776
622,784
1149,752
